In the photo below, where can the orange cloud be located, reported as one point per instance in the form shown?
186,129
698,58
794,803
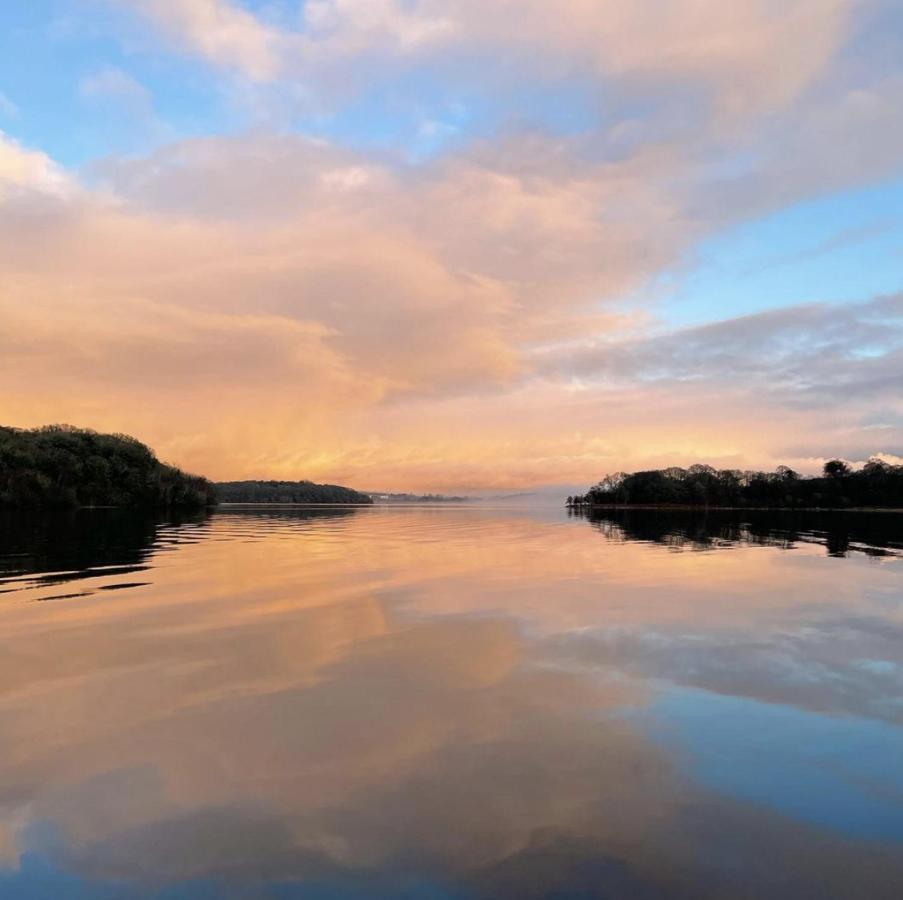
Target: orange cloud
366,326
270,304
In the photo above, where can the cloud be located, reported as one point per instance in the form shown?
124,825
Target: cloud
683,53
714,45
28,170
801,355
392,326
219,31
461,321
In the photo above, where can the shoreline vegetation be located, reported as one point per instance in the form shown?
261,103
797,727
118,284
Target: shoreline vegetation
691,507
875,487
298,493
63,467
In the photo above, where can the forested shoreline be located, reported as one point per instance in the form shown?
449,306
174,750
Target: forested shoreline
288,492
876,485
62,467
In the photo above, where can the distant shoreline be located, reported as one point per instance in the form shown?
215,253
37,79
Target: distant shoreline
688,507
876,485
284,505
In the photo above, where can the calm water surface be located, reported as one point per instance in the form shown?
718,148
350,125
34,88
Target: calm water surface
450,703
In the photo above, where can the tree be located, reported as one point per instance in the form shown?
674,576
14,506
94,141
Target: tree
62,466
876,468
877,483
836,468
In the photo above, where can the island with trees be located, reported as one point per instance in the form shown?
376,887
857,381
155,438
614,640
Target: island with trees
297,492
875,485
59,466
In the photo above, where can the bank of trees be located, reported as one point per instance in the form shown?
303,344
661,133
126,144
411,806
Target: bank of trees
876,484
287,492
59,466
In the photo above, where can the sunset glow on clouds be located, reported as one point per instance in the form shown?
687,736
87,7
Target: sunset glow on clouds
455,245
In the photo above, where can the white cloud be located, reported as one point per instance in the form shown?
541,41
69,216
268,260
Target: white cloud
28,169
218,30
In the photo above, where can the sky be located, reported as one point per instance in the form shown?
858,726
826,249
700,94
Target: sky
472,245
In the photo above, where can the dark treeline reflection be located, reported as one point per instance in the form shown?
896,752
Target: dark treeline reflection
62,544
59,546
74,540
877,534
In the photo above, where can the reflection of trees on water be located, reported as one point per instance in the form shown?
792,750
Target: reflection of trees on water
79,541
878,534
57,547
72,541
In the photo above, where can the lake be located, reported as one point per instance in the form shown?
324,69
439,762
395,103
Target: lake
455,702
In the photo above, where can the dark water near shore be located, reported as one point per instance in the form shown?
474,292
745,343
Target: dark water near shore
451,703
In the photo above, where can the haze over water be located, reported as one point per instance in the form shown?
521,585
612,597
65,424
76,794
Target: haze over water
450,703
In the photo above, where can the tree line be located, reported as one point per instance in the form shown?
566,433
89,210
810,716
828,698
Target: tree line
64,467
287,492
840,486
